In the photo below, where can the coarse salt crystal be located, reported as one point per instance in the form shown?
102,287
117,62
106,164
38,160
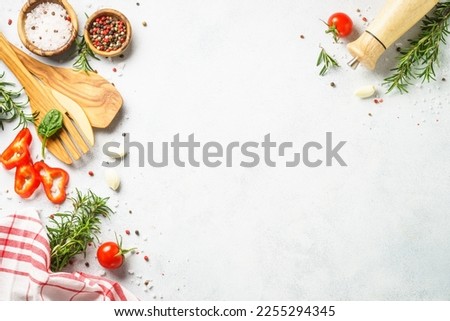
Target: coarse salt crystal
47,26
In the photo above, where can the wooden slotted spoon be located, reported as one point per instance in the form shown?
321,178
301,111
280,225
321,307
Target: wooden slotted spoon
70,144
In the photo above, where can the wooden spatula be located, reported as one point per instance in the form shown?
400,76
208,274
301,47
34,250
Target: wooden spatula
395,18
100,100
69,145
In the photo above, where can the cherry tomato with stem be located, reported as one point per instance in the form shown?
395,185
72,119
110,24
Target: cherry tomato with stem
340,25
111,255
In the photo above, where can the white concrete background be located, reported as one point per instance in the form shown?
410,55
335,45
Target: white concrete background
237,70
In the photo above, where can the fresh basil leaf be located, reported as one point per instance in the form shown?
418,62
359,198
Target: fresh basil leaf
49,126
51,123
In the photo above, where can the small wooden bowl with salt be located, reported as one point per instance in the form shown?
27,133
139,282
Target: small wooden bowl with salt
47,27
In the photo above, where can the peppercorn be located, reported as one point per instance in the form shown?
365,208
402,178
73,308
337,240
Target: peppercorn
108,33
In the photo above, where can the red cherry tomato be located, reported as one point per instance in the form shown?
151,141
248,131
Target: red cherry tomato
110,255
340,24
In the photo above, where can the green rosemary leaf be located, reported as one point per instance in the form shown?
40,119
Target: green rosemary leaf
10,106
420,59
84,54
326,61
71,232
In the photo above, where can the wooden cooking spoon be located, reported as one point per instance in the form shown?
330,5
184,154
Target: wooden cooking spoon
100,100
70,144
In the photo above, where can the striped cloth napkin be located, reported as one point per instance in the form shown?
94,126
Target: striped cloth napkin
25,267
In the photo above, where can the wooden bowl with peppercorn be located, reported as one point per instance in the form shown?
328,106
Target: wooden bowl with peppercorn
108,32
47,27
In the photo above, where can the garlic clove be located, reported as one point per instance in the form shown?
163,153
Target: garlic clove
365,92
112,178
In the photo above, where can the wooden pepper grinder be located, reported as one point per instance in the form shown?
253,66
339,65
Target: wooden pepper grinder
392,22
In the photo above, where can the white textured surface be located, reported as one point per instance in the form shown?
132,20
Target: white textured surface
237,70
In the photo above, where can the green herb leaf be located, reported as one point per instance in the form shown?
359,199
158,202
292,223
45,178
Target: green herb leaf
11,108
419,59
84,53
327,61
49,126
71,232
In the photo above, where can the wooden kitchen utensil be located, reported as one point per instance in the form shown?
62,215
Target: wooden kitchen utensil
100,100
70,144
76,112
392,22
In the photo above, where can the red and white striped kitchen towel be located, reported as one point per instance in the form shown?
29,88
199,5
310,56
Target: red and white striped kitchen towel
25,267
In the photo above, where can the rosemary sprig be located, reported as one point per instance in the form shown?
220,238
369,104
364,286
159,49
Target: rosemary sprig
84,53
418,61
71,232
10,106
327,61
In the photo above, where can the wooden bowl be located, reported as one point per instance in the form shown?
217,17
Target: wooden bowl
28,7
117,15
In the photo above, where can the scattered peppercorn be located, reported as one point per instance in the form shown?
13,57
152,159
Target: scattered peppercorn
114,69
137,232
370,114
364,19
302,37
127,232
332,84
87,264
144,23
146,258
9,22
443,79
91,173
146,282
